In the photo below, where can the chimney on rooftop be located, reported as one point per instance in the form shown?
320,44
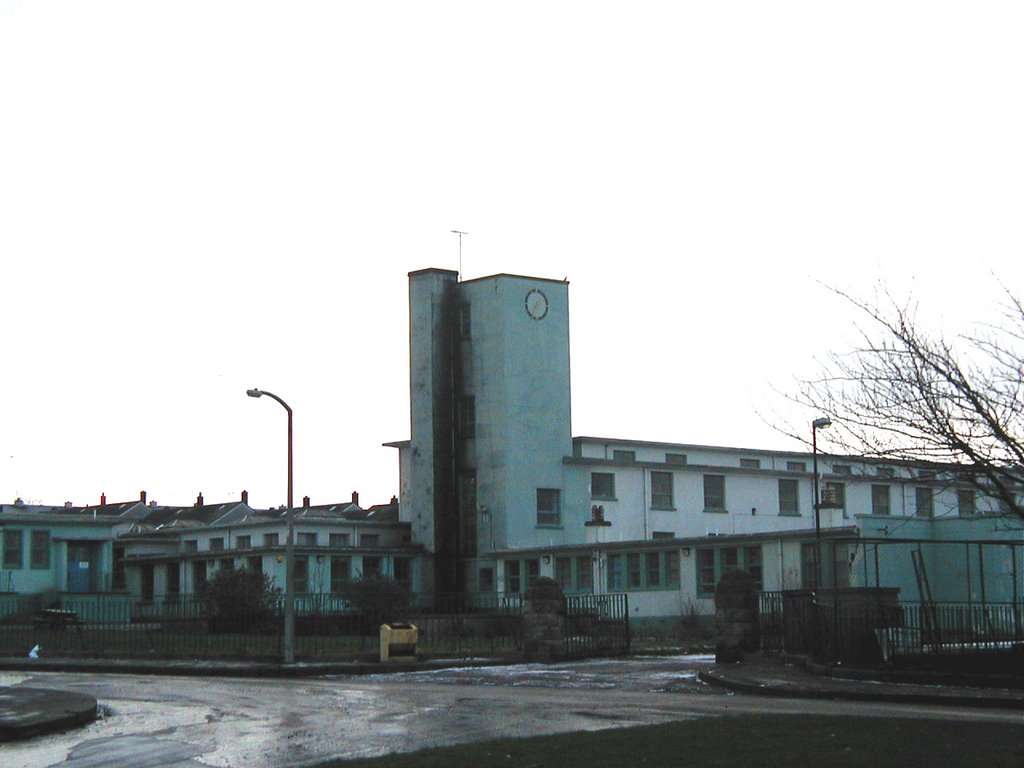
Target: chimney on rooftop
103,499
142,496
245,497
305,502
394,499
355,498
199,499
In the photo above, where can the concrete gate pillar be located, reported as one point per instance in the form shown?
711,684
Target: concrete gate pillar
544,621
736,626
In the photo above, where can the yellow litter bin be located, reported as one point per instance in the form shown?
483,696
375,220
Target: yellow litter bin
398,642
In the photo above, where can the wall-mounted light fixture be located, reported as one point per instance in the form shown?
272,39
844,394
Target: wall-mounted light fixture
686,551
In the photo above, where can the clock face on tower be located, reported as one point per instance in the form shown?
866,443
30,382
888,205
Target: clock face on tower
536,304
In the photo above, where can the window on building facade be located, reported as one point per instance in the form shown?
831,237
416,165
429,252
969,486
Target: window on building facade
635,571
254,563
880,504
217,544
834,495
372,567
305,539
662,496
549,506
675,458
634,574
403,570
714,493
752,564
243,542
532,571
369,540
301,575
12,549
663,535
341,573
616,573
584,573
465,321
652,568
965,502
750,463
789,503
925,502
198,574
841,469
227,564
190,545
270,539
173,579
513,576
832,554
796,466
602,485
672,568
623,455
486,579
146,577
118,580
714,562
339,539
563,573
467,416
884,472
39,550
707,573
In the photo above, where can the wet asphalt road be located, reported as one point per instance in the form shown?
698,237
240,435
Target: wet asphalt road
191,721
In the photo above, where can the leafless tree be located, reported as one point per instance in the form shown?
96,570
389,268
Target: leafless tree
904,394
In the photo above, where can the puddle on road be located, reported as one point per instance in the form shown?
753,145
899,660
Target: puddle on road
130,751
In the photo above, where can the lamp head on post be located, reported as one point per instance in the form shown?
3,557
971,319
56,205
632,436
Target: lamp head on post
253,393
821,423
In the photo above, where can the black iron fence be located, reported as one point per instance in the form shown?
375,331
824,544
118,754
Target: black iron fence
827,628
326,627
597,625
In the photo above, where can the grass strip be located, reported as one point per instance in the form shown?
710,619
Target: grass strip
750,741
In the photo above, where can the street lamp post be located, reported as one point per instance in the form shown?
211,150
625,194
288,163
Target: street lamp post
288,646
817,424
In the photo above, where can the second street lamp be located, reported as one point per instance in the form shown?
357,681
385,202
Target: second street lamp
288,644
820,423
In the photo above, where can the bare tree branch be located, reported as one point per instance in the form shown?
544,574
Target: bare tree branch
906,395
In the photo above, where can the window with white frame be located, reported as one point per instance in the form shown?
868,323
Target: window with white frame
965,502
714,493
602,485
789,502
662,496
549,506
924,501
880,500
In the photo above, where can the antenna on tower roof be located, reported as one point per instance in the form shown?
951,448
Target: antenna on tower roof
460,233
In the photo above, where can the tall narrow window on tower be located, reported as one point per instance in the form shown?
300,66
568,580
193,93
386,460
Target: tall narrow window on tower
549,506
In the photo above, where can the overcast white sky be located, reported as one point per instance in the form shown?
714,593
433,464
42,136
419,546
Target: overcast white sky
197,198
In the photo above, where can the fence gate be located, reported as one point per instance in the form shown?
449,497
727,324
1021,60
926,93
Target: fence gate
596,625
